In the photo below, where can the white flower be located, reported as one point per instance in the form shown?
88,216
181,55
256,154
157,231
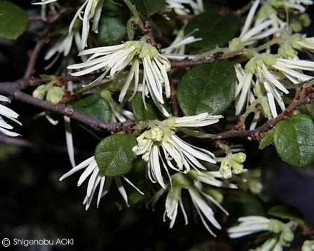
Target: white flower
45,2
176,50
292,69
113,59
63,45
161,148
193,182
254,31
243,91
262,68
282,233
97,180
6,112
90,10
249,225
303,42
184,7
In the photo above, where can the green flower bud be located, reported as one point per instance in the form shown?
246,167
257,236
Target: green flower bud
308,245
296,25
305,20
237,167
225,168
105,94
40,92
239,157
55,94
255,186
275,226
216,194
235,44
287,236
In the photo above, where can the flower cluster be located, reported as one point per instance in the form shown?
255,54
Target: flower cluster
162,149
113,59
195,183
269,70
97,180
265,79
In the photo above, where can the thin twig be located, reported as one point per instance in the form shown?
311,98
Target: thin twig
10,90
304,96
30,69
173,98
189,63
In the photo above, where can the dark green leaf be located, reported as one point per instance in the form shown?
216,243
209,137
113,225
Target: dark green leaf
308,109
13,20
294,140
148,7
267,140
245,204
114,155
214,29
207,88
94,106
142,113
285,212
112,30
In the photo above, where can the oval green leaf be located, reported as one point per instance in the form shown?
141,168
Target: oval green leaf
112,30
207,88
94,106
285,212
294,140
114,155
148,7
13,20
214,29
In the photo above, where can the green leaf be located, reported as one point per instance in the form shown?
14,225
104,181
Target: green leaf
142,113
267,140
148,7
94,106
207,88
294,140
243,203
308,109
13,20
112,30
285,212
214,29
114,155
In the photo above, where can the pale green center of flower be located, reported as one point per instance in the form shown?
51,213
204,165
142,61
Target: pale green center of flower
148,51
136,45
157,134
179,180
256,62
266,11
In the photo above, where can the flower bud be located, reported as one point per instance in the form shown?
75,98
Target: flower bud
40,92
55,94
